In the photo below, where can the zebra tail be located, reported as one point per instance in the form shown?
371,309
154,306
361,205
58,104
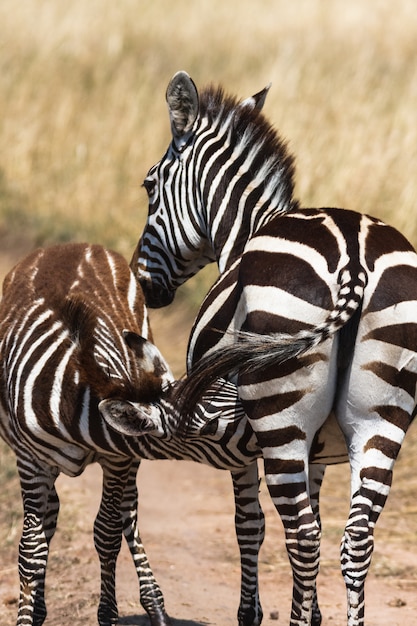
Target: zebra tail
249,352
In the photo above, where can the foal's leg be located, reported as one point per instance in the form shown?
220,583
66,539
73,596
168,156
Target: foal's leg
151,597
40,511
51,516
108,530
49,525
250,532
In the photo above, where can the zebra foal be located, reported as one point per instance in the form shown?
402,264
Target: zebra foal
314,312
61,350
72,347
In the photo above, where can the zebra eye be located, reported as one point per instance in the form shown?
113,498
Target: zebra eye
149,185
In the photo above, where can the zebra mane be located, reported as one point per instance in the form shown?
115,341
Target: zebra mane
81,320
105,374
248,127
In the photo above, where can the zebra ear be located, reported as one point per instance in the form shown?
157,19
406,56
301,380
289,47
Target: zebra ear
134,341
182,99
130,419
151,359
257,101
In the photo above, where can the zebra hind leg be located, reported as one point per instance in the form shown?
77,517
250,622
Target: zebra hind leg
315,479
40,512
250,532
358,540
302,537
151,597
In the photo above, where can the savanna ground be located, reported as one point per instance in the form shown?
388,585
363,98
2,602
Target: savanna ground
83,117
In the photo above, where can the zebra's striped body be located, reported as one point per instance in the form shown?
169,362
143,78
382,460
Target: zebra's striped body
314,311
62,352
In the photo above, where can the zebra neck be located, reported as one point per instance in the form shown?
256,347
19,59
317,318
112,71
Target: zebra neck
244,179
233,226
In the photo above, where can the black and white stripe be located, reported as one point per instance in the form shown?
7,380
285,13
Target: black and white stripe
313,312
72,328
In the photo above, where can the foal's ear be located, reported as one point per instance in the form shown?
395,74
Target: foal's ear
130,419
182,99
257,101
150,358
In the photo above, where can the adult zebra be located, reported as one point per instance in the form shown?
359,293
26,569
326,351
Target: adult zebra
314,310
72,322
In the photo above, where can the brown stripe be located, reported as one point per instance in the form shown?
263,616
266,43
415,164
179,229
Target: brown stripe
273,404
280,436
383,239
404,335
403,379
388,447
397,284
394,415
283,369
283,466
311,232
287,272
379,475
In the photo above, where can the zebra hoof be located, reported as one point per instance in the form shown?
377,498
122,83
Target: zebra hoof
159,618
107,615
250,617
316,619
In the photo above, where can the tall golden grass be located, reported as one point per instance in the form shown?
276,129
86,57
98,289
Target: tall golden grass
83,113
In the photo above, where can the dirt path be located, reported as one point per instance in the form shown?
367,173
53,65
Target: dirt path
186,520
186,515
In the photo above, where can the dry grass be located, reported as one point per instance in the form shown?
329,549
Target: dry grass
83,112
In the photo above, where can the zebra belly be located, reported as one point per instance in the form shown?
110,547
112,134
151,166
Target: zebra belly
67,456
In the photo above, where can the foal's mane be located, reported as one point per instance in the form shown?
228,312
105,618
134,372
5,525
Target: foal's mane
79,317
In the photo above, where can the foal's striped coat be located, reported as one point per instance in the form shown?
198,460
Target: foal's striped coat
72,328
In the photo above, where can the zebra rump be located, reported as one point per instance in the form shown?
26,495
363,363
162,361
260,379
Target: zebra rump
246,352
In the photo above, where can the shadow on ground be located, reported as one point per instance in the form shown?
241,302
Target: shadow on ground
143,620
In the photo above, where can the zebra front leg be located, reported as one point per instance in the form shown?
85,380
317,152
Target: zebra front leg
151,597
108,530
250,532
39,506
